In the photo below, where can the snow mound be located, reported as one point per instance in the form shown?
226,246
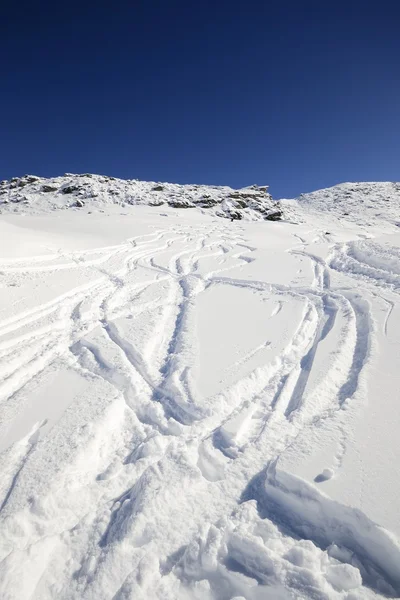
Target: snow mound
31,194
254,557
364,203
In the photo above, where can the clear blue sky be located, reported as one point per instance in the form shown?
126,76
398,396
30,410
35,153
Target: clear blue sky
295,94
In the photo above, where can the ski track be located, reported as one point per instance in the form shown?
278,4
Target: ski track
173,443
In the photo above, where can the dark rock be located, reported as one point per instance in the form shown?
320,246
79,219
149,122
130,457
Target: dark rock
70,189
177,203
49,188
247,195
235,216
235,195
158,188
241,204
274,216
207,202
79,203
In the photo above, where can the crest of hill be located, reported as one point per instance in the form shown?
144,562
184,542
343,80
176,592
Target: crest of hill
34,195
368,204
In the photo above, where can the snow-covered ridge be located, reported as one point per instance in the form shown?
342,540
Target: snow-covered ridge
363,203
370,204
32,194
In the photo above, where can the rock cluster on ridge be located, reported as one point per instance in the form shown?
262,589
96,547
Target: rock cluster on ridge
38,194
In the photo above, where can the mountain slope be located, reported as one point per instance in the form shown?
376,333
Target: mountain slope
192,408
367,204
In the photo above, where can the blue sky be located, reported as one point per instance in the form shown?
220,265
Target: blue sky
297,95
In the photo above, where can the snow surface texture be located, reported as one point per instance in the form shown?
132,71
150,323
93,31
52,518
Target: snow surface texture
194,409
36,194
367,204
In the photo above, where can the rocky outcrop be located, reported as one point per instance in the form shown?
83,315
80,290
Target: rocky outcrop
95,191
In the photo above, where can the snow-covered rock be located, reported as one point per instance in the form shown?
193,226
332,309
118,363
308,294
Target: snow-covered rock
37,195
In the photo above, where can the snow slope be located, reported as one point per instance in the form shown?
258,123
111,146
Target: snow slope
197,409
368,204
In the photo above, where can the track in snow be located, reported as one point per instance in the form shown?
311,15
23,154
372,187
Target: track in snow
142,486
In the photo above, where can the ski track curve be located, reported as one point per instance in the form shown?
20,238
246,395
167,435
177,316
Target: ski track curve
169,451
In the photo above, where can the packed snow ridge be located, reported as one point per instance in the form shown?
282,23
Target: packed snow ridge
193,408
37,194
